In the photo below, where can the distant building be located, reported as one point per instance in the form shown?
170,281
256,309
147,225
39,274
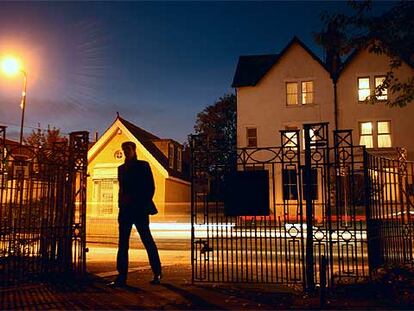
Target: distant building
169,166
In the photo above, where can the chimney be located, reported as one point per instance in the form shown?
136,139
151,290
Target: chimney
96,136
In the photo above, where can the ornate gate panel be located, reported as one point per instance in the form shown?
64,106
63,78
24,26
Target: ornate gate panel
317,199
337,206
229,246
42,208
391,217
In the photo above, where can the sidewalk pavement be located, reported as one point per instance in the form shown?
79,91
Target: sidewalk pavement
176,292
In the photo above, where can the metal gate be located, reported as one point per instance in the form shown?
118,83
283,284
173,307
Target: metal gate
42,208
391,216
317,204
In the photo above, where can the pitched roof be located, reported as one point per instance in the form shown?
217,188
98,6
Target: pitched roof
251,69
147,140
355,52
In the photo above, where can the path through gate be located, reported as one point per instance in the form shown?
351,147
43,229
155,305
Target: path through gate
317,202
42,208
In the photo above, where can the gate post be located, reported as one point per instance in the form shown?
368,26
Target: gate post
76,202
310,280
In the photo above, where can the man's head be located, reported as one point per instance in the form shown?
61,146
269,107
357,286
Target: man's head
129,149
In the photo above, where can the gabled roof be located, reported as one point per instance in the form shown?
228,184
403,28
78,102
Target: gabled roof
251,69
147,140
355,52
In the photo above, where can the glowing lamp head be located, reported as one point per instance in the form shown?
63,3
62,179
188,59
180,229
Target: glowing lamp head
10,66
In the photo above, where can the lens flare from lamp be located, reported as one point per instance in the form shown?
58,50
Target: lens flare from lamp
10,66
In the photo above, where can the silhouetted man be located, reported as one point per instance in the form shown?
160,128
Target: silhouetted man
136,189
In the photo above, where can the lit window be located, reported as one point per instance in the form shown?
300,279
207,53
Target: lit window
251,134
291,93
290,184
366,134
104,196
363,88
307,92
179,159
384,93
384,134
171,155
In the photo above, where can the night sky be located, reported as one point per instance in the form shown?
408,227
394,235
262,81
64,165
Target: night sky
157,63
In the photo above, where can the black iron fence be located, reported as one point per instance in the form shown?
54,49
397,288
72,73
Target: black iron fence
391,226
275,213
42,208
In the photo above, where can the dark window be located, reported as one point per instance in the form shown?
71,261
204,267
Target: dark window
251,134
246,193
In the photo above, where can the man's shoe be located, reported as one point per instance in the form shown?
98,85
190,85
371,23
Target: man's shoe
117,283
156,280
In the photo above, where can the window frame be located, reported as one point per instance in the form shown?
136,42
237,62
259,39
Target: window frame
386,89
378,134
302,92
248,145
358,89
287,94
372,133
103,209
289,187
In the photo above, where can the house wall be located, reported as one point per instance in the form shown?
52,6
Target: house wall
105,166
264,105
351,112
162,145
177,200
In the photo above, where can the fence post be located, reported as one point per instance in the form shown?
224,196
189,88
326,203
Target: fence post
310,279
372,232
322,278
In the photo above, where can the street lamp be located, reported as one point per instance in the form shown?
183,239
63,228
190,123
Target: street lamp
11,66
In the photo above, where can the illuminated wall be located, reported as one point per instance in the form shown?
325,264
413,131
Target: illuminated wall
102,186
352,112
264,107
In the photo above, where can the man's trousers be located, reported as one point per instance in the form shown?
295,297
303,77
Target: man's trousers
142,224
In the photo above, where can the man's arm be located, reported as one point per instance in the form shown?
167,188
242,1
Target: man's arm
151,184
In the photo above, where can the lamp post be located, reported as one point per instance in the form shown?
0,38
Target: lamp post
11,66
23,104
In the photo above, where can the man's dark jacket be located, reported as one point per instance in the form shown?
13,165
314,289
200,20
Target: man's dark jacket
136,189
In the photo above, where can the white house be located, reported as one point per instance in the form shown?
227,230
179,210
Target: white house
286,90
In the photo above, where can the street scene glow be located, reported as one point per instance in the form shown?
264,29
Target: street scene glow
263,165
